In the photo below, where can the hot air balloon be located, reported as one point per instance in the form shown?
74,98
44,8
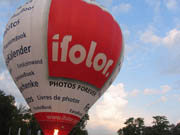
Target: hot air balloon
62,55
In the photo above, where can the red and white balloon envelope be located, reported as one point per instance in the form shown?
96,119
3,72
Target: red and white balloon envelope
62,55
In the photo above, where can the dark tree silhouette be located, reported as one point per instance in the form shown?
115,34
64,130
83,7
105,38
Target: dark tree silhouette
79,129
160,126
133,127
7,112
176,129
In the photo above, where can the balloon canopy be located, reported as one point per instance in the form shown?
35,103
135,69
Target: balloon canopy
62,55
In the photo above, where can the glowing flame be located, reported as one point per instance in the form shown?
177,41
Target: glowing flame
56,131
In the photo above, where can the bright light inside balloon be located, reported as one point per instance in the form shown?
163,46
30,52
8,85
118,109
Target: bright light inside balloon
56,131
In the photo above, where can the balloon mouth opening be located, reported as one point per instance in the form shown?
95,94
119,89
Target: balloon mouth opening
56,123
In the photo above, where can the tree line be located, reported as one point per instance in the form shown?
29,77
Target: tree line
160,126
12,118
